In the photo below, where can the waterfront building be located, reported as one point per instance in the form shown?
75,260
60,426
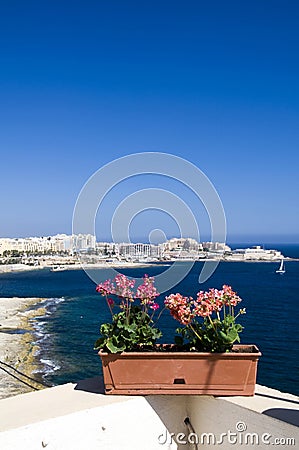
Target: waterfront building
139,251
105,249
83,242
177,244
182,248
218,247
45,244
256,253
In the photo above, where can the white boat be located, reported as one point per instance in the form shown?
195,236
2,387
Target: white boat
281,269
58,268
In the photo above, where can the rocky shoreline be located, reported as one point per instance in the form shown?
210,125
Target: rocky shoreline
17,348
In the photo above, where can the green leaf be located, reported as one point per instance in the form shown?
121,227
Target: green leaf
100,343
115,348
225,338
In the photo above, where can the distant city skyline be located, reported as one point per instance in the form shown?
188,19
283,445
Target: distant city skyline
87,245
215,84
253,240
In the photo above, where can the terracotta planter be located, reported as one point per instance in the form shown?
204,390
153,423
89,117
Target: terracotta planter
144,373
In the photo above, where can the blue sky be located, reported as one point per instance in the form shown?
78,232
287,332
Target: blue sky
216,83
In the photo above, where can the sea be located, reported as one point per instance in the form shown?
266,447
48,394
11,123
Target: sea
67,331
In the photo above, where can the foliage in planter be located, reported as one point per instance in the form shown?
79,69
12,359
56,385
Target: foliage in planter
208,324
209,320
132,328
128,333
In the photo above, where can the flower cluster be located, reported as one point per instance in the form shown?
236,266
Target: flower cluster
132,328
229,296
209,320
147,292
180,308
122,287
105,288
185,309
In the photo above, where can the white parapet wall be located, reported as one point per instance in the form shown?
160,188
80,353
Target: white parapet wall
79,417
241,422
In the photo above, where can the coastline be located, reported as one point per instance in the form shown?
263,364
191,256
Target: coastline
17,348
17,268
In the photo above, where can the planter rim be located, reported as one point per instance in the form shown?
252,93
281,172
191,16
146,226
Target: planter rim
256,353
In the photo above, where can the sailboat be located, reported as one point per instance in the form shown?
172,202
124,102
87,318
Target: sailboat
281,269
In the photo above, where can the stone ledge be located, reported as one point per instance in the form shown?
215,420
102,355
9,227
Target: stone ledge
72,415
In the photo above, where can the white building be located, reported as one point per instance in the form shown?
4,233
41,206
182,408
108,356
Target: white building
83,242
182,248
187,244
107,248
219,247
55,244
256,253
139,251
22,245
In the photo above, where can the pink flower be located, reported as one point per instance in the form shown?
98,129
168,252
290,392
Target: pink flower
154,306
180,308
203,309
124,286
230,297
147,291
105,288
184,309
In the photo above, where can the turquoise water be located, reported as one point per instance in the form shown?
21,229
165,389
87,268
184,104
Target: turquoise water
67,332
